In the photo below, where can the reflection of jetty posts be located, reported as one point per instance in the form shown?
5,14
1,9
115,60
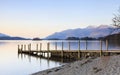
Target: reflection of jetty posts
65,53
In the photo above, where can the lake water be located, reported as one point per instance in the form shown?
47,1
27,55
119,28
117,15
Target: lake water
13,64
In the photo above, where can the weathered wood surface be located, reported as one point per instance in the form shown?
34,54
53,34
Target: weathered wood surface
77,54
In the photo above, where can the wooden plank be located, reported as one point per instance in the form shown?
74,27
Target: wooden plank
60,53
76,51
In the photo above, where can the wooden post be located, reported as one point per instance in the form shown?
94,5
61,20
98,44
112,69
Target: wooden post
62,50
24,47
41,53
62,45
107,45
100,47
48,48
69,45
30,46
40,46
37,47
69,49
79,49
86,44
21,47
55,45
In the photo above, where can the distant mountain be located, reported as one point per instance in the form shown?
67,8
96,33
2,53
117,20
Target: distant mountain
117,31
90,31
4,35
12,38
7,37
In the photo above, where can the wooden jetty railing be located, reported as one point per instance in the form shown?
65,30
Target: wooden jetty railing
75,54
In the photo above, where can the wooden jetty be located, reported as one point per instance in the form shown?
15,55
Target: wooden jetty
73,54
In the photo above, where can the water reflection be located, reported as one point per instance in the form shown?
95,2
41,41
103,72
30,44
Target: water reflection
12,63
61,60
2,43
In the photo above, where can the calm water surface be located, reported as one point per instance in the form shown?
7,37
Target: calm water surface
13,64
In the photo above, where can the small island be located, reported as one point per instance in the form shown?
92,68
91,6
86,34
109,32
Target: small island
36,39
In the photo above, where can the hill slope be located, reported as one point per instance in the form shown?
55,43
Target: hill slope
7,37
94,32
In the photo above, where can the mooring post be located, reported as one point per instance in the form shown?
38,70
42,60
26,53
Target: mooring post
62,50
107,45
86,44
100,47
24,47
79,49
28,48
55,45
37,47
48,48
40,46
69,45
62,45
41,53
70,54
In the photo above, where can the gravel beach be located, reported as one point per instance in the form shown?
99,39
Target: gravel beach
105,65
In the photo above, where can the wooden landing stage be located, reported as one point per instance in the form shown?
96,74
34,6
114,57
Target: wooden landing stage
72,54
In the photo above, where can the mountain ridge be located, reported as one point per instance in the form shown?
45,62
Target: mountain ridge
4,35
7,37
90,31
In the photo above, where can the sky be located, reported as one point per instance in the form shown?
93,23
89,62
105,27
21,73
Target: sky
40,18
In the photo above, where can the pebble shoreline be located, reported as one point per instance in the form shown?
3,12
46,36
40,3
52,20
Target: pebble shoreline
105,65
